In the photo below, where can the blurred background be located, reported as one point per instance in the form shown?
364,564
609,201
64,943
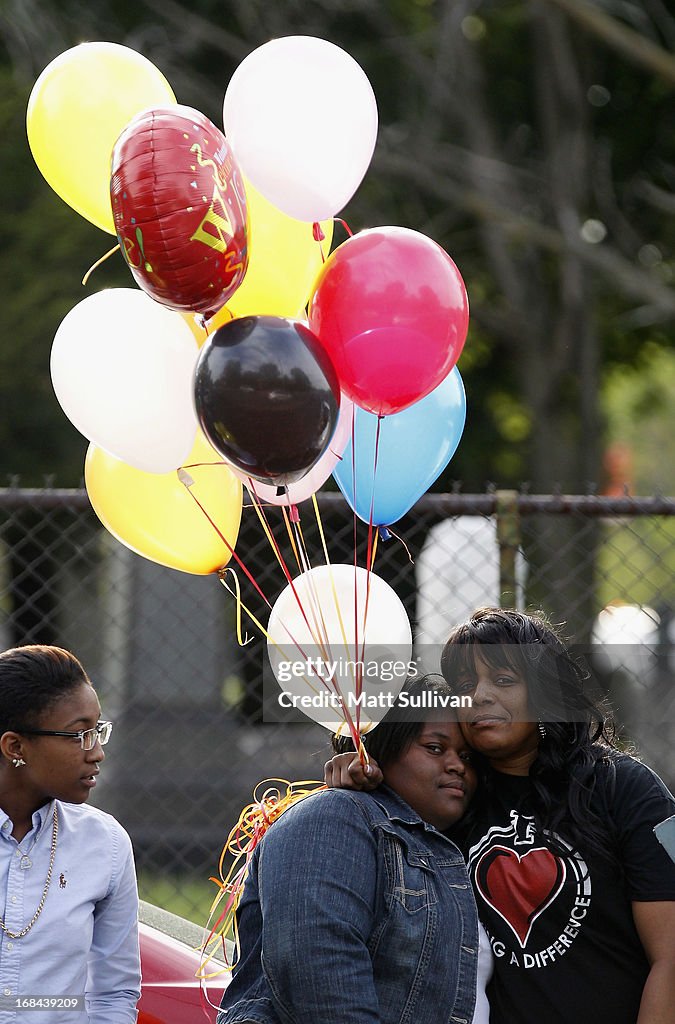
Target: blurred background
533,140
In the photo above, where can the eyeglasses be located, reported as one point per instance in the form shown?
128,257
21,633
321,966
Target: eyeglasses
87,737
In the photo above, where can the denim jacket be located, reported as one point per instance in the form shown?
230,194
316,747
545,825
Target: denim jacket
355,911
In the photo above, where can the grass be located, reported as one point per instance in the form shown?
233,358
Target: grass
187,895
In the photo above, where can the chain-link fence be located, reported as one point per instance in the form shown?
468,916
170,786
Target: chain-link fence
161,646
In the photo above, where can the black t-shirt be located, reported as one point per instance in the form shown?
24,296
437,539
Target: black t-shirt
560,924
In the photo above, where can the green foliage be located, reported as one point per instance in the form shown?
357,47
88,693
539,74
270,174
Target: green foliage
639,408
187,895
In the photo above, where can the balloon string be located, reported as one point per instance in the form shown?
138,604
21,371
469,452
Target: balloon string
345,225
257,505
353,727
244,837
271,640
302,547
252,617
318,631
372,560
317,614
98,263
372,546
331,686
320,528
330,571
291,538
188,483
319,639
401,541
372,493
284,568
318,235
299,546
358,684
314,601
240,604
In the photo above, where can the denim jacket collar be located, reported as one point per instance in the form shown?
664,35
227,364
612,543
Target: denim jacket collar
397,809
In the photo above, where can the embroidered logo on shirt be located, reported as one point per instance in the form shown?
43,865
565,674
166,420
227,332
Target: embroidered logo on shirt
62,881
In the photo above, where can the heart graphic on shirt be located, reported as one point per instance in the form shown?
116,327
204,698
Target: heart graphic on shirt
519,888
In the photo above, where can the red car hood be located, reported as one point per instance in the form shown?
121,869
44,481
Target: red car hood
171,992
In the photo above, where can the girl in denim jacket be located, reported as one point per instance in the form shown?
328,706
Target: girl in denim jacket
356,909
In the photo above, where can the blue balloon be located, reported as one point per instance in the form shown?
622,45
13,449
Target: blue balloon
414,448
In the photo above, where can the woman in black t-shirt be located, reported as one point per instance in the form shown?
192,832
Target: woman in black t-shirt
574,890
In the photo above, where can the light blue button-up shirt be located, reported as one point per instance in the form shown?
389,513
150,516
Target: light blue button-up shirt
85,941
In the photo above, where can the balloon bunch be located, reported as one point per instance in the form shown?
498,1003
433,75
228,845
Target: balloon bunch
246,354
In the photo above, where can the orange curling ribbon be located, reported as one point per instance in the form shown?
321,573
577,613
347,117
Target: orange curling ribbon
269,803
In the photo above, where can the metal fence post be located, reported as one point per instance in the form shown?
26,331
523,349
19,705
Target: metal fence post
508,539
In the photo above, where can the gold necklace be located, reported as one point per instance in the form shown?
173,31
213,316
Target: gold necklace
20,935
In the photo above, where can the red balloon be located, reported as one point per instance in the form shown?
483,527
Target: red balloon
390,308
179,206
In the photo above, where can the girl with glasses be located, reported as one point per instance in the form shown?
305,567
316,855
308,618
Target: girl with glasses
68,898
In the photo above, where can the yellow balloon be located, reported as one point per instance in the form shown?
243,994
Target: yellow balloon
284,261
156,514
76,111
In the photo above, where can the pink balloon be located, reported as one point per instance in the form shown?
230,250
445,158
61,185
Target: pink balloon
268,494
390,308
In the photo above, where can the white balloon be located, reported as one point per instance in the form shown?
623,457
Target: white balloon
301,117
316,640
122,368
302,489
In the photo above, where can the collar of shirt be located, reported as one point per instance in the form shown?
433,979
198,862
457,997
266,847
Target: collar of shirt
40,816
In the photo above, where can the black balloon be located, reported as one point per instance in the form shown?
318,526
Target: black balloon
267,397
